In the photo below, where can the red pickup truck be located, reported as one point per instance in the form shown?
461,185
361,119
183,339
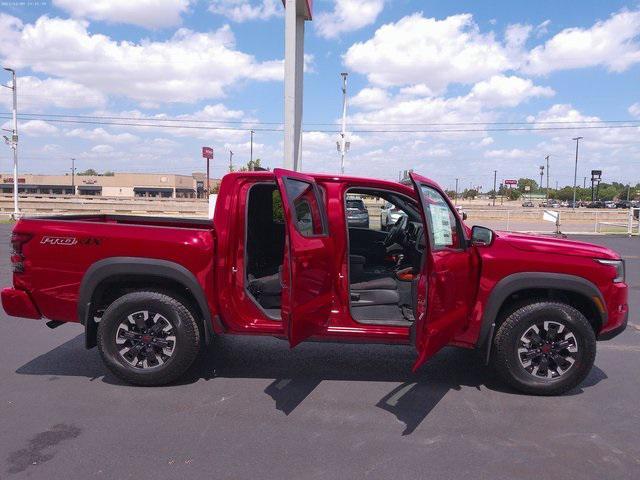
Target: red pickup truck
280,259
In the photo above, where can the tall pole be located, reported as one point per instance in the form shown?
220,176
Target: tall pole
541,176
251,147
456,199
495,176
73,175
547,159
230,161
343,143
14,142
575,173
208,186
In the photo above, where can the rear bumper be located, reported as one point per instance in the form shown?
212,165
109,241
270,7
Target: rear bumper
18,303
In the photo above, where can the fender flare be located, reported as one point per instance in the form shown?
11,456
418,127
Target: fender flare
524,281
114,266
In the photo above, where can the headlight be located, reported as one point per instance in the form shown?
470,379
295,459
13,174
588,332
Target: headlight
618,265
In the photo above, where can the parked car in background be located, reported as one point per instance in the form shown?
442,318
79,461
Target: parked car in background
389,215
357,213
596,204
572,204
610,204
623,204
527,204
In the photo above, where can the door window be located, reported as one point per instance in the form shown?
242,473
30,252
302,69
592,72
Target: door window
305,204
443,224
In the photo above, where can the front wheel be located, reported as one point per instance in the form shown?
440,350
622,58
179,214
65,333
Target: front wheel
148,338
545,348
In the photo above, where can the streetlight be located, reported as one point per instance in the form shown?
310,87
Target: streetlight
73,175
343,145
13,143
575,172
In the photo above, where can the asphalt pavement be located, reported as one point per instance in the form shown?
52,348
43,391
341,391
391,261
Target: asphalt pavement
252,408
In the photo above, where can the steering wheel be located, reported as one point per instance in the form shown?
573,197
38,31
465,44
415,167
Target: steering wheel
396,233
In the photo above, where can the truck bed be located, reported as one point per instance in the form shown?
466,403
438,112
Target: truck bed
152,221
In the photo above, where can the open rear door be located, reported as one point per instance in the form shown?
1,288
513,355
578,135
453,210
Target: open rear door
446,286
306,270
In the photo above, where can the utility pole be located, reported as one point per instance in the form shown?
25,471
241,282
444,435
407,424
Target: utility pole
230,161
456,198
584,182
495,176
13,142
252,132
541,175
343,145
575,173
73,175
547,159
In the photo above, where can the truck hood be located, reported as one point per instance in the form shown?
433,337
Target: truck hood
559,246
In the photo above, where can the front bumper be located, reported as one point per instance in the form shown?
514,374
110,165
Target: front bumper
18,303
617,299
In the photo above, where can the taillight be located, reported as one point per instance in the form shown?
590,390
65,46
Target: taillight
17,256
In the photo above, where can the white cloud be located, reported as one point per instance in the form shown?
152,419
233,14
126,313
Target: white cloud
635,109
144,13
513,153
347,16
37,128
38,94
370,98
244,10
502,91
612,43
188,67
102,149
101,135
419,50
419,90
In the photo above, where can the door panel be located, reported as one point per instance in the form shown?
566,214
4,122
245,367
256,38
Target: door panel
306,274
449,276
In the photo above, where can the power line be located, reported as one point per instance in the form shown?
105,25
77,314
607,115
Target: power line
440,130
256,122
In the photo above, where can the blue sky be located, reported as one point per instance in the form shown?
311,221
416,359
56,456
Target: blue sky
468,65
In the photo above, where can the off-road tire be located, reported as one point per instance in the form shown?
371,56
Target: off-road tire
506,359
184,328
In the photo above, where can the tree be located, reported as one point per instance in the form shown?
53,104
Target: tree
513,194
531,183
252,165
470,193
87,172
108,173
451,194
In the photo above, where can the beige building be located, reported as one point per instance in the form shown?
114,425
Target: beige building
162,185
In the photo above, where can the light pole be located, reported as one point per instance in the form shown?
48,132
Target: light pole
547,159
541,175
456,196
495,176
343,145
13,142
230,161
252,132
575,173
73,175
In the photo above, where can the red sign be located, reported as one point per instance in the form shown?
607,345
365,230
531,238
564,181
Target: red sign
510,182
207,152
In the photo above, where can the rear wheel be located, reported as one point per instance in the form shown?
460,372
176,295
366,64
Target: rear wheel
544,348
148,338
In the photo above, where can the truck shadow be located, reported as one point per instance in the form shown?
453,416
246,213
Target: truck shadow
298,372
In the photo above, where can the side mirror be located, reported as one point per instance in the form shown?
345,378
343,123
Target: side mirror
481,236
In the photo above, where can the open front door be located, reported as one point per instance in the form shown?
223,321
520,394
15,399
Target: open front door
306,270
449,276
